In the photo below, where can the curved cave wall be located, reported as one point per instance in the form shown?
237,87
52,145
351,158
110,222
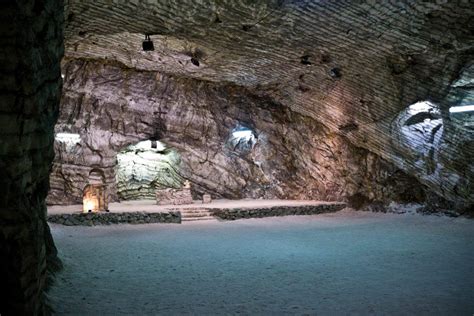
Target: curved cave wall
292,156
31,36
326,87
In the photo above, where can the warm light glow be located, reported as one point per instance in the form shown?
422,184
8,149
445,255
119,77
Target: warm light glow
68,138
463,108
90,204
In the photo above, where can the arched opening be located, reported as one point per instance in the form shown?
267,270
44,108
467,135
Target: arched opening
242,139
94,194
146,167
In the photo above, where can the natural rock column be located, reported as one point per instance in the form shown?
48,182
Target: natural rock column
31,46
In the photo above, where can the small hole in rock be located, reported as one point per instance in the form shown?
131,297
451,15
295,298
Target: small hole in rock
195,61
305,60
335,73
325,58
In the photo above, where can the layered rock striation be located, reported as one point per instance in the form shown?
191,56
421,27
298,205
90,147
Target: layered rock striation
292,155
316,81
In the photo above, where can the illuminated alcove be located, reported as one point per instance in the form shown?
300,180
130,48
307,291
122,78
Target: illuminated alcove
242,139
145,167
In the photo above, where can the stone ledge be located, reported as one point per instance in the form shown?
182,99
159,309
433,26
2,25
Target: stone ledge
233,214
94,219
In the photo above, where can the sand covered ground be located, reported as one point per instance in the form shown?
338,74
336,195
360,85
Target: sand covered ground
333,264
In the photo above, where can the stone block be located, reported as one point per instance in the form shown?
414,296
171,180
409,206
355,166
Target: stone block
206,198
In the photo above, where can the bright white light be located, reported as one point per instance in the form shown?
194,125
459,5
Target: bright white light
68,138
90,205
422,106
246,134
464,108
146,145
62,76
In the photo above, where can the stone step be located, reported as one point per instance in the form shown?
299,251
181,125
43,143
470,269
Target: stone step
188,215
193,210
194,213
201,218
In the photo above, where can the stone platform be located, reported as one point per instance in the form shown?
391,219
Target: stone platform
146,211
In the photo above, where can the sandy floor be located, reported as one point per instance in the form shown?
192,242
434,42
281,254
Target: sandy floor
332,264
150,205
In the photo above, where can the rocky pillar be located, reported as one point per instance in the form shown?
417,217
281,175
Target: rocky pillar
31,47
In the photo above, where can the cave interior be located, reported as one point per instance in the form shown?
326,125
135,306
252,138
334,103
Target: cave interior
365,103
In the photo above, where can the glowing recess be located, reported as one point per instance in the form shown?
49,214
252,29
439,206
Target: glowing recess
423,106
68,138
146,145
464,108
246,134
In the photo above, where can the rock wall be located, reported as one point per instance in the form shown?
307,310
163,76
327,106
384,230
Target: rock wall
141,170
31,37
294,156
353,66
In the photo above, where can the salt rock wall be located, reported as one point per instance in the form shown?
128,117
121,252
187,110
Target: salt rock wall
294,156
31,47
354,66
141,171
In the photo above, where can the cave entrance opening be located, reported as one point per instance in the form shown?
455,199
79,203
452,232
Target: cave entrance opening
145,167
94,197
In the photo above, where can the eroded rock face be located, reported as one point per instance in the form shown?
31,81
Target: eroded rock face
350,68
145,167
30,87
291,156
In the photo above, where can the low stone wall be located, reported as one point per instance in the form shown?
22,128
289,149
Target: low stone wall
233,214
93,219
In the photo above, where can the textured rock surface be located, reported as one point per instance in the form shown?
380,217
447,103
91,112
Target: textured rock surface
169,196
141,170
31,47
315,80
294,157
94,219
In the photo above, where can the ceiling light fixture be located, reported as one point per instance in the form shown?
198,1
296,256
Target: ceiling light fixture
462,108
148,44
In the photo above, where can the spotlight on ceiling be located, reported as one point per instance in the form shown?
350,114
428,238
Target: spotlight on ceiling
148,44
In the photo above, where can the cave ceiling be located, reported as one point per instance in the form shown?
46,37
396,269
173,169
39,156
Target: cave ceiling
358,61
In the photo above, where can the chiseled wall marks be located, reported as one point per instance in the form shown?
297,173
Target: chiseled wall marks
31,36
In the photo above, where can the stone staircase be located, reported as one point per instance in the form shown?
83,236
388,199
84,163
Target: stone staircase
195,214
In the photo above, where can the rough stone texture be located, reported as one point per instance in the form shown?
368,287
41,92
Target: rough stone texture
351,66
174,196
233,214
93,219
206,198
31,46
141,171
295,157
